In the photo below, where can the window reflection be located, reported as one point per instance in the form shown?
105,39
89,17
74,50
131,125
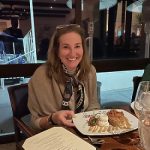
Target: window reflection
117,32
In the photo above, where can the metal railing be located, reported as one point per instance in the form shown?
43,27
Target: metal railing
28,55
29,51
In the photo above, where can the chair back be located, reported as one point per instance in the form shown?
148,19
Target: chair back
136,81
18,95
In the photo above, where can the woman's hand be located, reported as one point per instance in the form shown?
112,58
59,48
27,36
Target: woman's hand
63,117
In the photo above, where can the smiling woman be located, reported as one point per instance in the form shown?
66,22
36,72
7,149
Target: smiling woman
70,50
66,84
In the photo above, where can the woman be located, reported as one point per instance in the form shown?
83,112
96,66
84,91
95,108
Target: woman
66,83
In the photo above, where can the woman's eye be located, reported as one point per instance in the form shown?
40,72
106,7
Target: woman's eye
65,46
78,46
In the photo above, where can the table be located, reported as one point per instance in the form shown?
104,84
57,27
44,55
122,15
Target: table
126,141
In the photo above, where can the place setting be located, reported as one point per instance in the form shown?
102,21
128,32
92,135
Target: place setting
105,122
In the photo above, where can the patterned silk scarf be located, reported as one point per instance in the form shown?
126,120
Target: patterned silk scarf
71,83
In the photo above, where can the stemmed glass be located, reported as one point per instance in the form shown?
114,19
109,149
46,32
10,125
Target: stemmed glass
142,111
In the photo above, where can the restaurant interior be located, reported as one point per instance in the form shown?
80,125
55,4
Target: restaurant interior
118,40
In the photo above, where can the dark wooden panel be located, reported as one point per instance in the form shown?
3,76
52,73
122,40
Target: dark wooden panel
120,65
26,70
17,70
7,138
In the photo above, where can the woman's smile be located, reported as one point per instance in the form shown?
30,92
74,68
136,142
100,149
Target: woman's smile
70,50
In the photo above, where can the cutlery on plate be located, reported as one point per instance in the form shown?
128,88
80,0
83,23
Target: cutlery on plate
96,140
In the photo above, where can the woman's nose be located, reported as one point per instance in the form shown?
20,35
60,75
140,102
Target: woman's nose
72,51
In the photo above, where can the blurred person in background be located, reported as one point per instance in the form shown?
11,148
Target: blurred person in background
14,30
17,33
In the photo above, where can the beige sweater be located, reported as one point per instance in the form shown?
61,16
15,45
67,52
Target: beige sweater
45,95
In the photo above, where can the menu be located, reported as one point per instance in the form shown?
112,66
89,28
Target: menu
56,138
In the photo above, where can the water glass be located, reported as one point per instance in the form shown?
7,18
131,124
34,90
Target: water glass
144,131
142,111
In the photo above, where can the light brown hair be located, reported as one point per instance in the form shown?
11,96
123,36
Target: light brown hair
54,65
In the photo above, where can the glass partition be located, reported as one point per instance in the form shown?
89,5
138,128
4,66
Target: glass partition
122,88
47,15
117,28
14,34
52,13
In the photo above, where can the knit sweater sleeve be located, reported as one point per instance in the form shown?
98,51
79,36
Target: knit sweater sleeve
92,90
44,96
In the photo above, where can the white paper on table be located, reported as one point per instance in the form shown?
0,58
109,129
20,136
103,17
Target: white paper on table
56,138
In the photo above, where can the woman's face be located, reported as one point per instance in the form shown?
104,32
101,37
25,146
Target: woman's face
70,50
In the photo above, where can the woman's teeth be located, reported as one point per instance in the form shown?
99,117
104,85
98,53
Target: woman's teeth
71,59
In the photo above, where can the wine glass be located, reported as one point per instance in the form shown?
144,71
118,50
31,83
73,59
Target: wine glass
142,111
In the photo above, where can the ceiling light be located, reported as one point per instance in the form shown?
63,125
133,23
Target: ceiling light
103,4
69,3
136,6
106,4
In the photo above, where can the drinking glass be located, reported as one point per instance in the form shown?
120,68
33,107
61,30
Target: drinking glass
142,111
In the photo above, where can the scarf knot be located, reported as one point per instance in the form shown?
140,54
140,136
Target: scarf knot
70,84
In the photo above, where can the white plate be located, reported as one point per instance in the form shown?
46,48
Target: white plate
81,122
132,105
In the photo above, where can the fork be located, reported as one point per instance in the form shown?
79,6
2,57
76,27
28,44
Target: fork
96,140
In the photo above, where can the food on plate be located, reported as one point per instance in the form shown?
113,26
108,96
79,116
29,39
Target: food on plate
117,119
98,123
102,129
111,121
98,119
